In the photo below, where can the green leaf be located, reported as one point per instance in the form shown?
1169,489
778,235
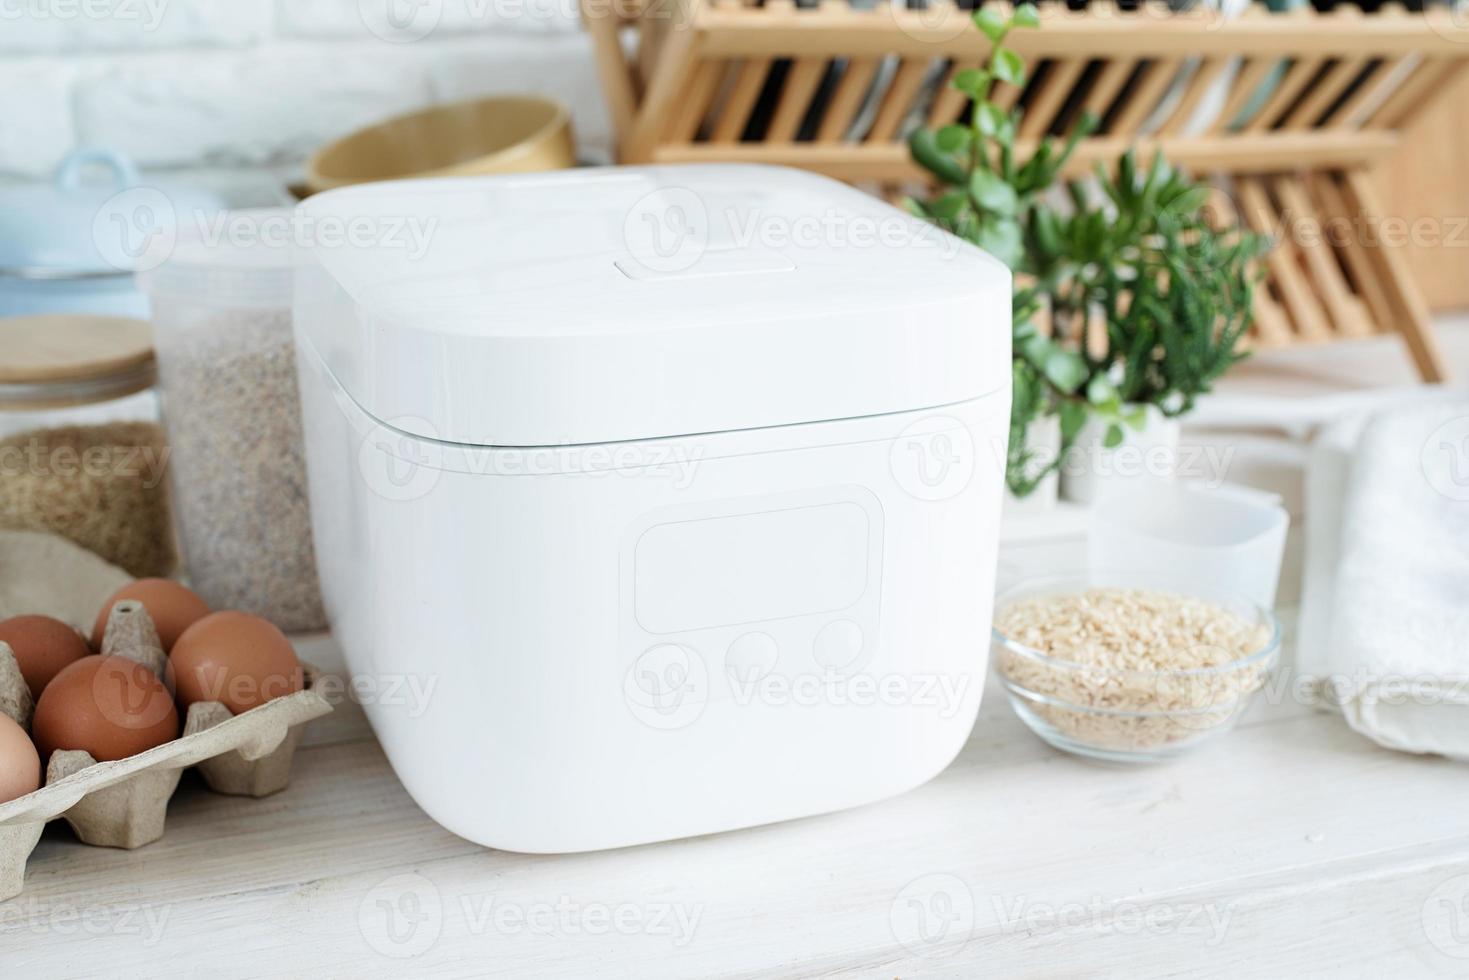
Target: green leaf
1033,348
991,192
1073,417
1023,392
923,146
1114,437
1189,201
1047,229
953,138
948,206
1066,369
1127,174
1101,392
1137,418
1001,238
994,26
971,81
1026,15
990,118
1076,190
1008,66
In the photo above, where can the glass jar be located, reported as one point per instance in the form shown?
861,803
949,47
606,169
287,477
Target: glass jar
227,376
81,452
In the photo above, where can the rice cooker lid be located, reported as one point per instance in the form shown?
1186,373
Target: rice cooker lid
613,304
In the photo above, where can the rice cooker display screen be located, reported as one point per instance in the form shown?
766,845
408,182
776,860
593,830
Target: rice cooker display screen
749,568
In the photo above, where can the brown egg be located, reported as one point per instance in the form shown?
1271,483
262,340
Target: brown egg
42,647
240,660
172,607
110,707
20,766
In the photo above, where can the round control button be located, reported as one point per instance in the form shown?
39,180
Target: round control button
667,686
838,645
750,657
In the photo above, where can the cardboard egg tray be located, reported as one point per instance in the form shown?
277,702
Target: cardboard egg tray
123,803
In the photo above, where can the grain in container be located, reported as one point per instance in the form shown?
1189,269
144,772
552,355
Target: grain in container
221,303
81,451
676,488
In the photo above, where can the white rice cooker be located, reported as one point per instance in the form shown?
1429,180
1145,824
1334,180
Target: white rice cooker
652,502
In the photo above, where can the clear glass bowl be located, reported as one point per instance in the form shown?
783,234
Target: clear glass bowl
1125,715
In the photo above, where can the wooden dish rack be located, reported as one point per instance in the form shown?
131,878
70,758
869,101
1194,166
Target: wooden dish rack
836,88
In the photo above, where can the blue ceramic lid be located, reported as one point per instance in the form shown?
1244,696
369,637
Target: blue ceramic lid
96,218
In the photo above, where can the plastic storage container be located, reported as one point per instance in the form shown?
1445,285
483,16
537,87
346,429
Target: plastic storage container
226,363
81,451
680,486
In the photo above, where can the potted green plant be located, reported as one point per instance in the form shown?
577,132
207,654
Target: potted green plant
1146,297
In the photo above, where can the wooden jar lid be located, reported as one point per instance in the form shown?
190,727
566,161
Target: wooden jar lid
71,359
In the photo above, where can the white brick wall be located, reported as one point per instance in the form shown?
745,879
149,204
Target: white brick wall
359,19
245,83
36,124
45,26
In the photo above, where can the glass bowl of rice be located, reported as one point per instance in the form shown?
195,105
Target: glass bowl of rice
1120,667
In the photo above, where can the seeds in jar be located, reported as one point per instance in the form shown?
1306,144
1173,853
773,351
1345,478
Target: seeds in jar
239,474
101,486
1143,668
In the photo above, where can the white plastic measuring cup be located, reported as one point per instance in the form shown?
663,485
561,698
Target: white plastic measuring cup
1226,540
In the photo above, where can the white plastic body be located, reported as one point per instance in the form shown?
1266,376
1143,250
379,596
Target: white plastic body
549,640
653,501
542,309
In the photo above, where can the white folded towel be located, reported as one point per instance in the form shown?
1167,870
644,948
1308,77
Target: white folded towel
1385,614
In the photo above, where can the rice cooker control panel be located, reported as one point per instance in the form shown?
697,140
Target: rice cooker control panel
730,599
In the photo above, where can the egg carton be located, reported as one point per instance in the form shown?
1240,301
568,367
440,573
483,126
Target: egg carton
124,803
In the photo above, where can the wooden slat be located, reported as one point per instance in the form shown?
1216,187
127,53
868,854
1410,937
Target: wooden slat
1372,93
1144,99
1297,78
899,100
846,100
1223,154
614,72
651,32
949,100
838,29
1108,83
675,65
1204,79
1324,93
795,99
1246,83
1347,315
1050,96
1271,327
1412,319
748,81
1334,213
1285,268
683,126
1414,94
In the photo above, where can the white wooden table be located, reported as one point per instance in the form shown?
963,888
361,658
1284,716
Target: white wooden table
1291,847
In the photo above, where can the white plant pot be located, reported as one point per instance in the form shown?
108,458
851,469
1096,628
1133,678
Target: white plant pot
1043,436
1090,469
